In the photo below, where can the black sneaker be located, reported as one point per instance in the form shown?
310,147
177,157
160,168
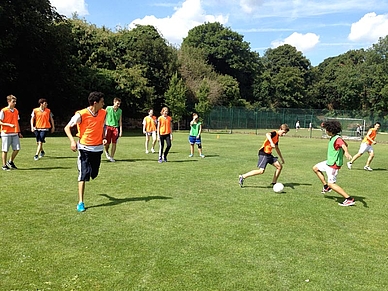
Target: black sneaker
11,165
5,168
42,153
241,181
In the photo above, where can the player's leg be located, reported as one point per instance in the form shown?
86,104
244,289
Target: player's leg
369,160
147,141
161,147
153,134
168,147
115,137
278,170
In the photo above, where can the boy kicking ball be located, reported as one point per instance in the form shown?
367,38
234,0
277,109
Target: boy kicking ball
336,150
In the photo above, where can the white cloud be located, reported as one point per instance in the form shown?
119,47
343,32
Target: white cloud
174,28
249,6
68,7
302,42
369,28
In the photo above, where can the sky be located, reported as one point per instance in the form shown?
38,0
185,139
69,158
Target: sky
318,28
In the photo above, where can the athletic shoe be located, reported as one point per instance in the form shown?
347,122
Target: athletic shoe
202,156
326,190
241,180
147,152
11,165
160,161
107,155
36,157
5,168
190,155
152,150
42,153
349,164
112,160
367,168
165,160
80,207
347,202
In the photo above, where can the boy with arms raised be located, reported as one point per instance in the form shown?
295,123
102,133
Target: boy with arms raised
266,157
90,124
336,150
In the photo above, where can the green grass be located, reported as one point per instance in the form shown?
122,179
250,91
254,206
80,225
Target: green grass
187,225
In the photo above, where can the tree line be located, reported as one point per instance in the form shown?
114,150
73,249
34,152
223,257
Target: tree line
46,55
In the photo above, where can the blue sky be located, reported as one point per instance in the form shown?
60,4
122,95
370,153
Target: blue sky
318,28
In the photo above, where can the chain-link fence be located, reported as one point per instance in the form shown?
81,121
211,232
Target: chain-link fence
237,119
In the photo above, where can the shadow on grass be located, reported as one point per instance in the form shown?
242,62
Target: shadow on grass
286,185
115,201
340,199
44,168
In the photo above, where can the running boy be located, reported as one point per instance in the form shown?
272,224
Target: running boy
41,122
113,127
90,123
149,129
366,146
336,149
195,135
266,157
10,133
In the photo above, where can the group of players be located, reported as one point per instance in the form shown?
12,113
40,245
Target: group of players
337,149
98,128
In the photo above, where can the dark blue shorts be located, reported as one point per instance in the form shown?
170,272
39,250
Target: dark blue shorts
40,135
88,164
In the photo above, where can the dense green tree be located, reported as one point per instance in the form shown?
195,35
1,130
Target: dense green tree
228,53
175,98
35,62
285,80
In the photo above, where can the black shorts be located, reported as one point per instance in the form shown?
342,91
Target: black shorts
88,164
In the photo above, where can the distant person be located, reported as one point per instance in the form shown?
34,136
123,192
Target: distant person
358,130
265,155
164,133
195,136
310,126
366,146
41,123
10,133
149,129
90,124
297,126
113,127
337,148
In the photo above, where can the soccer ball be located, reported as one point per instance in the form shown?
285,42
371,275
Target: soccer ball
278,187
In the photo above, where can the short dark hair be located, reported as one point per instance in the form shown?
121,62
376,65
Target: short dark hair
95,97
332,126
42,100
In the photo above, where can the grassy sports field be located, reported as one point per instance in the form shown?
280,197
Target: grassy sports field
187,225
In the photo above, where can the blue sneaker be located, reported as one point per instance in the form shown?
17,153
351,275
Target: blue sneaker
160,161
81,207
42,153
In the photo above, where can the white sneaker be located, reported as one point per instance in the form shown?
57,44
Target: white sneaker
367,168
349,164
112,160
107,155
202,156
147,151
152,150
